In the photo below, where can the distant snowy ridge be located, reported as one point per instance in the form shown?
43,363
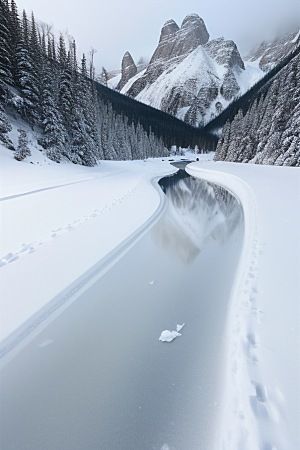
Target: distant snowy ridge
268,54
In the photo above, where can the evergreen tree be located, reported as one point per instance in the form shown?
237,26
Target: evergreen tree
54,133
103,77
5,127
22,150
27,75
15,36
5,50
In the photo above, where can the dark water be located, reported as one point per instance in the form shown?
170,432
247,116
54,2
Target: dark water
98,377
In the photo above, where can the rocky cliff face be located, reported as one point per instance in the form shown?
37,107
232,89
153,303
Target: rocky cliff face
268,54
129,70
188,76
176,42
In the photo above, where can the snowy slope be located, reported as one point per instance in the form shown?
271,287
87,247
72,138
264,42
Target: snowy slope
248,77
113,82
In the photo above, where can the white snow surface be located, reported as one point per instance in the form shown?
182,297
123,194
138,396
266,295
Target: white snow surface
113,82
250,76
59,220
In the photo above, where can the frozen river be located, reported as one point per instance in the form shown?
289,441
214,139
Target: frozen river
98,377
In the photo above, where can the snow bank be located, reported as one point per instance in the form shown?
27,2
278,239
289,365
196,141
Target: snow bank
261,393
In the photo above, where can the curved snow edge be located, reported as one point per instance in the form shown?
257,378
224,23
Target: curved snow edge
237,420
61,302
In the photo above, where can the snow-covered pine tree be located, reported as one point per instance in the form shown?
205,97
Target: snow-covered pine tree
54,133
15,36
5,50
5,127
27,75
84,133
22,150
103,77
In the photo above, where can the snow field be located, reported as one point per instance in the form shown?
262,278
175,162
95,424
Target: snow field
260,408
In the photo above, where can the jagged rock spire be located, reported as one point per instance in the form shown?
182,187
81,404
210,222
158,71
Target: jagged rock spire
128,70
175,42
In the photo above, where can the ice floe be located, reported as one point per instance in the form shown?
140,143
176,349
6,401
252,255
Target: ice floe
169,336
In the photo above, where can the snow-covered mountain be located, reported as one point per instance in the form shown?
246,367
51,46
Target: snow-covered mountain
268,54
188,76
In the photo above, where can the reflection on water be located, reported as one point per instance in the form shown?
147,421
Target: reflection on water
198,212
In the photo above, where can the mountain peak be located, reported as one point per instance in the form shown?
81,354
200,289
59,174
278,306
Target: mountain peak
168,30
191,20
194,25
129,69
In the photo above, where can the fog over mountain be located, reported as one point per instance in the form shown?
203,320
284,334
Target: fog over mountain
114,27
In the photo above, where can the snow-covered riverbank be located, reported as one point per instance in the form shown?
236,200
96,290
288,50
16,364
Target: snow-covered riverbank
58,221
262,397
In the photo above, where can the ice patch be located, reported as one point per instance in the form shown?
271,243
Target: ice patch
168,336
179,327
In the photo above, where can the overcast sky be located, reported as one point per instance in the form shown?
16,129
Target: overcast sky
113,27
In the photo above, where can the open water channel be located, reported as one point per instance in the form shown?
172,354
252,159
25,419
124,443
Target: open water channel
98,377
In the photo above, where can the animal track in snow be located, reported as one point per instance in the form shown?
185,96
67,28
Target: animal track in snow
252,339
261,392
